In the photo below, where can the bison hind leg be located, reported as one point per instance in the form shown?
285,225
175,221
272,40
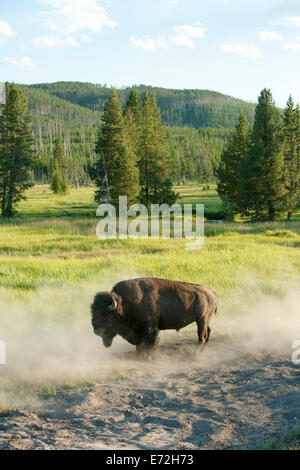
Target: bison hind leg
208,331
203,333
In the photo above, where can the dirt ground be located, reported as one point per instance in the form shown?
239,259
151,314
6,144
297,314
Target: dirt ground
226,398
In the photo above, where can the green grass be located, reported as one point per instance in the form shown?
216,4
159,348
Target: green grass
289,440
41,202
43,247
196,194
54,251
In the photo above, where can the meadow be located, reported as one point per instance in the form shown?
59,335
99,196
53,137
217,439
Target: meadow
52,240
52,263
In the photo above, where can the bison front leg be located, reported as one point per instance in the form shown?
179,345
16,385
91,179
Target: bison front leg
147,343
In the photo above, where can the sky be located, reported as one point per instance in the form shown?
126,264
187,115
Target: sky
236,47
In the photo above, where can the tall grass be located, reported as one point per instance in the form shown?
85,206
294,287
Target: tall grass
46,250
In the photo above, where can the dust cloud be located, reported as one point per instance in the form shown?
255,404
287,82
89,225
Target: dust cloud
50,340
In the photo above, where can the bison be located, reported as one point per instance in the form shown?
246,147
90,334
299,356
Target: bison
139,308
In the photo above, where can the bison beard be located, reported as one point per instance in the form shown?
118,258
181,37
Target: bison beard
139,309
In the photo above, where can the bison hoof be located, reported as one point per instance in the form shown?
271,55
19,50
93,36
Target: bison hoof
144,356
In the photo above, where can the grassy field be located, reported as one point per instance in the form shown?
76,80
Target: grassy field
199,194
41,201
45,246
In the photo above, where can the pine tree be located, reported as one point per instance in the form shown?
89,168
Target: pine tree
117,160
133,103
125,176
59,154
230,172
58,181
108,144
291,136
264,170
129,152
16,151
131,130
155,162
165,193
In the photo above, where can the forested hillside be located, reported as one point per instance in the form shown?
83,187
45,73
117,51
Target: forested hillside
53,117
199,124
192,108
197,151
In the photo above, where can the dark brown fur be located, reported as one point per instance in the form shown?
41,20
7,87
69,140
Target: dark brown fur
147,305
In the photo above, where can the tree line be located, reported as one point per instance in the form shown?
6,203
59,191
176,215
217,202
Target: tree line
132,152
259,173
133,155
64,153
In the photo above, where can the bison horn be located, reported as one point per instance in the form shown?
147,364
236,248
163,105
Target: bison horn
113,306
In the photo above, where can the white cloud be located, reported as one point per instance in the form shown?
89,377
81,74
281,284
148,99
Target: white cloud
5,31
46,41
244,50
71,16
54,41
162,43
292,46
148,44
173,3
269,36
67,18
86,38
72,41
24,62
288,21
185,34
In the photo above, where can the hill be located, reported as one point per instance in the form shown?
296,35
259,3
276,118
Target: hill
53,117
191,108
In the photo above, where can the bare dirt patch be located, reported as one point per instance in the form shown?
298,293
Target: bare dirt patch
226,398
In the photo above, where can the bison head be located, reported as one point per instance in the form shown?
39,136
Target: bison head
105,317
